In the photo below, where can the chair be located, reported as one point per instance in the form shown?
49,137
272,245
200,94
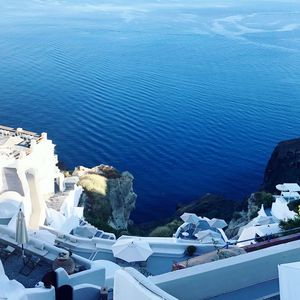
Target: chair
6,252
31,263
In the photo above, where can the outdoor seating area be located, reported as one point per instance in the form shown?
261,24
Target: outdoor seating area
19,267
30,263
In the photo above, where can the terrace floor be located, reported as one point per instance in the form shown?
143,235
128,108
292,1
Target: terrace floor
14,265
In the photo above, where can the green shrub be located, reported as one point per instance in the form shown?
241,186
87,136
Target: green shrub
294,206
290,223
161,231
167,230
264,198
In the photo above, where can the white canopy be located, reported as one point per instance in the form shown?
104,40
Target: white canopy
217,223
190,218
288,187
132,250
290,195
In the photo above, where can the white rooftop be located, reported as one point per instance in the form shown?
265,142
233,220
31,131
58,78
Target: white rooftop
13,142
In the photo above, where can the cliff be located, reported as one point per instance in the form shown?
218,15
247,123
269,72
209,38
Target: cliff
283,166
108,195
211,206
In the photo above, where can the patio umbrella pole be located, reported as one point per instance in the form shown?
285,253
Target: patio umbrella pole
23,254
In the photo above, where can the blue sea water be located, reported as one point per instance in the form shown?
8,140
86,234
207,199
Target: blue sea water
189,96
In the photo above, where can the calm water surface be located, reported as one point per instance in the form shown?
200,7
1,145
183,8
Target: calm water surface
189,96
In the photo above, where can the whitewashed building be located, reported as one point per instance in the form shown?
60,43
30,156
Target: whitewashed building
28,176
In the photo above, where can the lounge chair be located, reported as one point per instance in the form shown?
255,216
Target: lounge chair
6,252
31,263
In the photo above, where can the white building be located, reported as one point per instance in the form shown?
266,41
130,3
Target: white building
28,176
264,225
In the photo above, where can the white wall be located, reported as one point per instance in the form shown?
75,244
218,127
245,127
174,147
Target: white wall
41,162
39,293
231,274
289,276
130,284
94,276
86,291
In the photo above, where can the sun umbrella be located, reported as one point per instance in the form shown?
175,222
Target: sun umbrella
132,250
217,223
21,231
281,188
190,218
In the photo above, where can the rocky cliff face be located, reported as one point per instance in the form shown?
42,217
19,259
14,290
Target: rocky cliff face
283,166
108,195
211,206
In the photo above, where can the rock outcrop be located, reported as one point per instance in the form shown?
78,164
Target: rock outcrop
108,195
283,166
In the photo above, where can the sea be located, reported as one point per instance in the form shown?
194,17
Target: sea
189,96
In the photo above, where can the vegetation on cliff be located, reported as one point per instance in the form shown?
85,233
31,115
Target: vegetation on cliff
167,230
292,223
108,197
211,206
97,208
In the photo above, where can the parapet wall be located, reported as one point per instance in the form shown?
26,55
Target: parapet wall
220,277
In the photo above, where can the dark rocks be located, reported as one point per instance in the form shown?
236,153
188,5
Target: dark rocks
283,166
211,206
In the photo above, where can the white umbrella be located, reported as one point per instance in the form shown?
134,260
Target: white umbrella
190,218
21,231
217,223
132,250
281,188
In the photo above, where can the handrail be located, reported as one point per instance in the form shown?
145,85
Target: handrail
268,236
13,130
